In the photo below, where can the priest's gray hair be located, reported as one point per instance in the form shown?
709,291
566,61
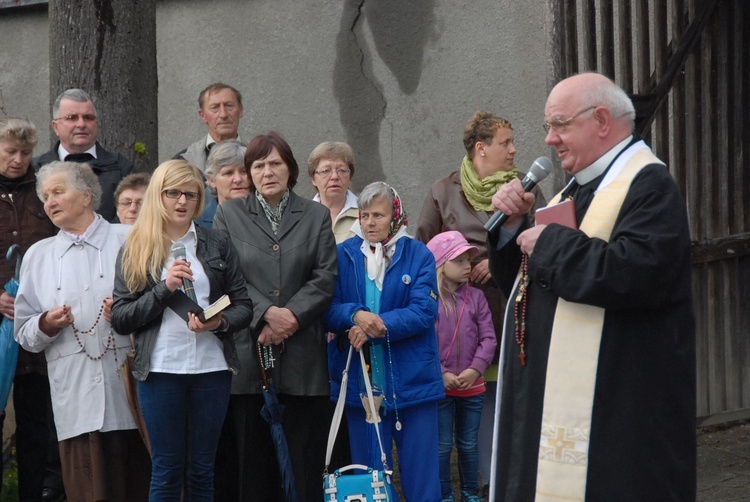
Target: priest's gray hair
611,96
80,177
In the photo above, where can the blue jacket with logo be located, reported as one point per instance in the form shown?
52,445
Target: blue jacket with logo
408,307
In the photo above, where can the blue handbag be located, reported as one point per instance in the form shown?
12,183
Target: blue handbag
370,485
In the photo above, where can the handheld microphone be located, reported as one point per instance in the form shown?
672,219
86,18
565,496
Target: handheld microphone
179,253
540,169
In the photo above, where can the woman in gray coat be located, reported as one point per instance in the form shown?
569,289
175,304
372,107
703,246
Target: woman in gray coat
288,257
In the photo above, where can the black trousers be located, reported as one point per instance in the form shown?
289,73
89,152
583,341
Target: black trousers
37,451
226,468
307,420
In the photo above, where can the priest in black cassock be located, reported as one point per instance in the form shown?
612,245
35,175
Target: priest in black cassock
598,352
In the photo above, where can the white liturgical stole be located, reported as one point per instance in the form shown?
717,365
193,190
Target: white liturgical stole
574,352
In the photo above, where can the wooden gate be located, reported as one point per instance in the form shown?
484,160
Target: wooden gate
683,63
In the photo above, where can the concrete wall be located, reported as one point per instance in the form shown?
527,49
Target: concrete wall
396,79
24,68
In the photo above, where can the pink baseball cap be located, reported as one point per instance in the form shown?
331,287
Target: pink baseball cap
449,245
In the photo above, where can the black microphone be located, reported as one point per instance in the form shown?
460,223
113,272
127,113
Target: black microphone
540,169
179,253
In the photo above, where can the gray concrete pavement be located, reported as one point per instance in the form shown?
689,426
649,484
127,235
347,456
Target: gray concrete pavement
724,463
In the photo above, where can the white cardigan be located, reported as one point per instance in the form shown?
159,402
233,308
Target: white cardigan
86,395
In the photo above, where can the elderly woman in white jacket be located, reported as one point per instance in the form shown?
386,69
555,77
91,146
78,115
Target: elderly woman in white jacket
63,309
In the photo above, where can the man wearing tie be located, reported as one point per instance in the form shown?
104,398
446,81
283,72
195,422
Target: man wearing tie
598,376
75,123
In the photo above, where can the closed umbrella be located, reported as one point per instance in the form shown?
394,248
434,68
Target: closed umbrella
273,413
8,345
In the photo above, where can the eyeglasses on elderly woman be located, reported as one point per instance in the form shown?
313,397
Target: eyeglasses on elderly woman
328,172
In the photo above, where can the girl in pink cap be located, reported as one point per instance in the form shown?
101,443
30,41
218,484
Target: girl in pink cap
466,341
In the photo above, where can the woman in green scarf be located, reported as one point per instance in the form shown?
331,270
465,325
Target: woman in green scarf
462,201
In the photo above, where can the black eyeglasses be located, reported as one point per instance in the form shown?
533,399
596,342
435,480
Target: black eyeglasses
73,118
172,193
559,125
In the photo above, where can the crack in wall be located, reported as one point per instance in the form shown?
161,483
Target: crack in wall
372,82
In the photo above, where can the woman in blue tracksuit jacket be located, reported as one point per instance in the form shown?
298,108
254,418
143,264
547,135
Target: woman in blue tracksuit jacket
386,300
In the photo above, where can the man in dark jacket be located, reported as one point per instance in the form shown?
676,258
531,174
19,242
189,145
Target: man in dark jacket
76,125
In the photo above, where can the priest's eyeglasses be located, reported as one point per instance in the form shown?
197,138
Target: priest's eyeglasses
559,125
176,194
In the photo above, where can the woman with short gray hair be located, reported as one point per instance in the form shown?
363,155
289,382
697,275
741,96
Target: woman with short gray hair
226,171
63,309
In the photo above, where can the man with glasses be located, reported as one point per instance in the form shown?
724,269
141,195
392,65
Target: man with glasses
220,108
75,123
598,393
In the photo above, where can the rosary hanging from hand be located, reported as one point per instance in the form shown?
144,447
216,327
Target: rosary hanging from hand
266,356
522,300
110,344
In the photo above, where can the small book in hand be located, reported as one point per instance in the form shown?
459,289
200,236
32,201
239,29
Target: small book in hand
563,214
182,305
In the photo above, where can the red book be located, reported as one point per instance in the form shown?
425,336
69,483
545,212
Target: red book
563,213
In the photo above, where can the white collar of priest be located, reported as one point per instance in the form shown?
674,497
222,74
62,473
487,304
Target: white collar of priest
596,169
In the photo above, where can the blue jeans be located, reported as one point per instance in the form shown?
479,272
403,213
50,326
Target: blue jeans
459,414
184,415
